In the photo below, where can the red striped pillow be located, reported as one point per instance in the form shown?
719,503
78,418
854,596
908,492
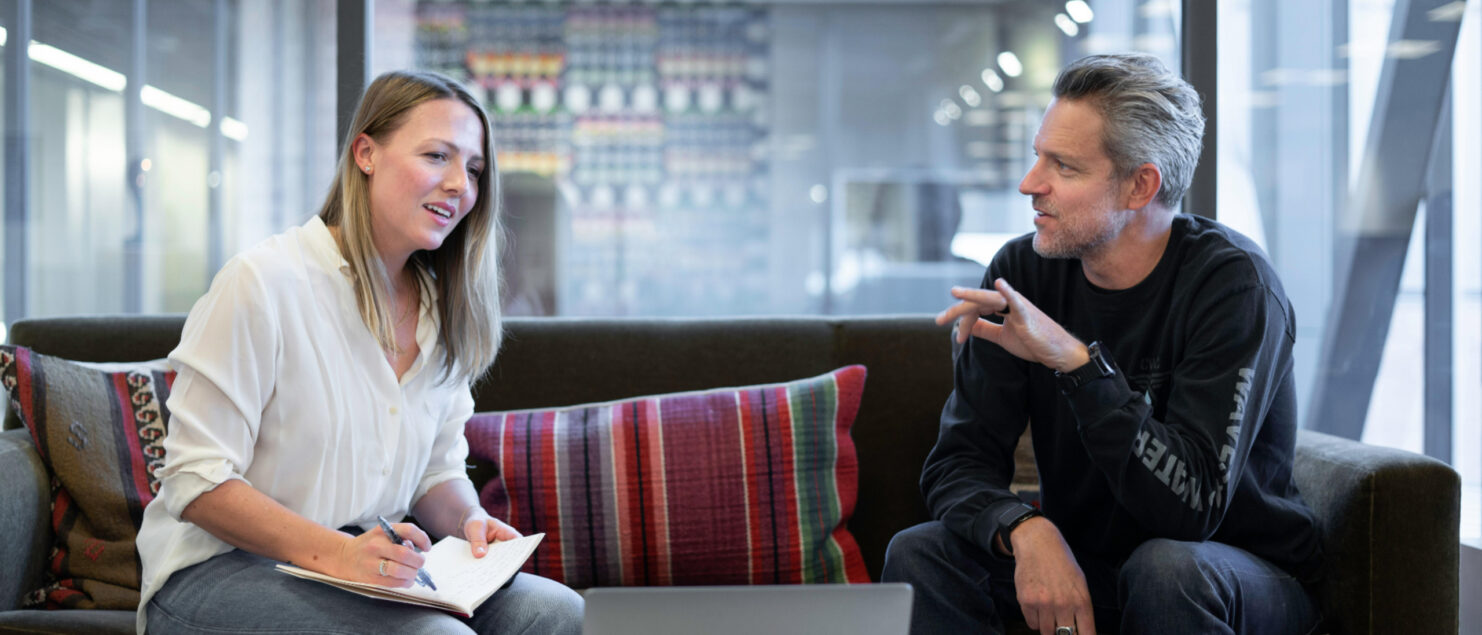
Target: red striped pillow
100,429
748,485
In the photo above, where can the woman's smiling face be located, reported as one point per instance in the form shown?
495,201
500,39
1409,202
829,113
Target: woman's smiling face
423,178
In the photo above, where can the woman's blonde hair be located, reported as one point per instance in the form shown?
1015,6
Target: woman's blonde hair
465,269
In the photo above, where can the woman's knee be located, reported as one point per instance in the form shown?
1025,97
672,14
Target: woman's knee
533,604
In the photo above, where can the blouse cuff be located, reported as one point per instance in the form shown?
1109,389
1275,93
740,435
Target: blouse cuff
190,481
433,480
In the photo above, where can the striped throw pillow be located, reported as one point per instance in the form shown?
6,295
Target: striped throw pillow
100,430
748,485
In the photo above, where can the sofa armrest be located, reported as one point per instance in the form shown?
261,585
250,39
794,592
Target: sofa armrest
24,502
1390,523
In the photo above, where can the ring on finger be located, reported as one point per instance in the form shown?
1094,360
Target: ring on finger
1064,630
382,569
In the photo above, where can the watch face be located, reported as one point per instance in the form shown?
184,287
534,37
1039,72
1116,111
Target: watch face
1095,368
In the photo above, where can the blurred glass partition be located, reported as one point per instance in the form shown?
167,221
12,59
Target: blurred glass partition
709,157
900,239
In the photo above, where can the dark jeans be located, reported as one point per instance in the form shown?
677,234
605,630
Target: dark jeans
238,592
1165,586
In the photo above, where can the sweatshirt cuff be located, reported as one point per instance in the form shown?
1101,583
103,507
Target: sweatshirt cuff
1092,401
985,527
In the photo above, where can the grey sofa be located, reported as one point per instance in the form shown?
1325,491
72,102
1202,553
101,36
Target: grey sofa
1390,518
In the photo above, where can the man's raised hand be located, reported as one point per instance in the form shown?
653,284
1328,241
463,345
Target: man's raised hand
1026,332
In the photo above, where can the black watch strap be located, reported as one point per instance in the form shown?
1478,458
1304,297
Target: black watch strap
1097,367
1011,518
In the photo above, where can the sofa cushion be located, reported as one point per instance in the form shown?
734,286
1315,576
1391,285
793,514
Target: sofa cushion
99,428
750,485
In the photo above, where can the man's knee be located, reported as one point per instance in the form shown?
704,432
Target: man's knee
1166,568
914,545
925,538
925,549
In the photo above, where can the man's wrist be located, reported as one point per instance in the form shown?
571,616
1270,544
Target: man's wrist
1080,355
1029,527
1010,519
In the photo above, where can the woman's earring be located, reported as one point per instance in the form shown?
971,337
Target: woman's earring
365,168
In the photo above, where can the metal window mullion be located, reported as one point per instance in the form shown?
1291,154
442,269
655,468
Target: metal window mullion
216,172
133,300
312,80
1199,50
352,64
1372,237
17,158
1438,293
280,169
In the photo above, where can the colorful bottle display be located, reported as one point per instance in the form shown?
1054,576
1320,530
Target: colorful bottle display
651,119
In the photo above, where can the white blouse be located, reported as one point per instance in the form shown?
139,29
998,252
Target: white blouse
282,385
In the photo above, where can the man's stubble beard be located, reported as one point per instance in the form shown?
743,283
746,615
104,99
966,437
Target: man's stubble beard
1077,238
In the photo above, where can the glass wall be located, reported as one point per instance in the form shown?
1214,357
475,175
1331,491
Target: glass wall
125,203
787,157
1307,90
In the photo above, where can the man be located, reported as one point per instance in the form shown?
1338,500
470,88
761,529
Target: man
1153,354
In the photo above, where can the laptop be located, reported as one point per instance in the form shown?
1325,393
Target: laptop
814,609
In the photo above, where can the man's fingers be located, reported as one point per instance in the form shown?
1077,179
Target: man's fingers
986,330
1065,618
965,326
1031,619
1012,299
956,312
989,300
1085,620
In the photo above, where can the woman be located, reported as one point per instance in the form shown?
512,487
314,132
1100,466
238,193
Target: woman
324,381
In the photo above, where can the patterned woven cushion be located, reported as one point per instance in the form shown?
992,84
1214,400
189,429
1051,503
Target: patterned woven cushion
100,430
748,485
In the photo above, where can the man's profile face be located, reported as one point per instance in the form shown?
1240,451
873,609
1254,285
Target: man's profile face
1072,184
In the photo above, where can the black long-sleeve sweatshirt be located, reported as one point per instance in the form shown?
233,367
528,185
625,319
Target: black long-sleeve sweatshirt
1191,439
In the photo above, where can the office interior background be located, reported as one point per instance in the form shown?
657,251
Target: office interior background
779,157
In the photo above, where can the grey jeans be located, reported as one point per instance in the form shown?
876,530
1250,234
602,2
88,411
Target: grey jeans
238,592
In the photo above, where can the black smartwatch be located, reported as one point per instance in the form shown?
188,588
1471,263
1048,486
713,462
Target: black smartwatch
1098,367
1011,518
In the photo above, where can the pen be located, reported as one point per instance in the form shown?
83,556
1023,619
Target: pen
422,577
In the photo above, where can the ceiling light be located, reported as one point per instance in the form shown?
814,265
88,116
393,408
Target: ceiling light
1067,25
969,96
1010,64
233,129
1079,11
77,67
175,106
992,80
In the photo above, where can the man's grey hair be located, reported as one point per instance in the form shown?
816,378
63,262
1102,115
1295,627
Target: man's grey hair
1149,114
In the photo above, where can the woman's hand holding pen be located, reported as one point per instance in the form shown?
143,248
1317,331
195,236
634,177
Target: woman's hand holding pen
372,557
480,529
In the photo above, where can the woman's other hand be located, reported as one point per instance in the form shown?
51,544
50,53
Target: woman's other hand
480,529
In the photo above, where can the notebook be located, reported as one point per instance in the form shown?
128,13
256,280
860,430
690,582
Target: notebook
463,581
814,609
